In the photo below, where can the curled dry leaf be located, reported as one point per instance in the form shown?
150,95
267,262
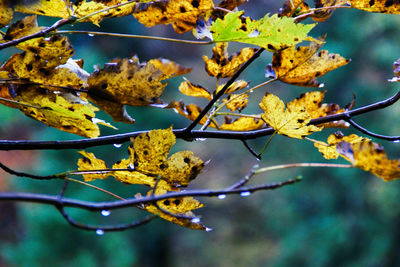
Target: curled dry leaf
190,111
291,7
190,89
322,15
221,65
237,102
396,71
328,150
291,121
303,65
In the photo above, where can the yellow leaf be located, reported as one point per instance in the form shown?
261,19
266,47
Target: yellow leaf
168,67
22,27
328,150
190,111
237,102
322,15
129,82
89,163
85,8
6,14
65,112
370,157
242,124
236,86
221,65
182,14
303,65
291,121
190,89
52,8
290,7
381,6
175,206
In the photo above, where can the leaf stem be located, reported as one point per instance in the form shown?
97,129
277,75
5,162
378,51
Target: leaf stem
124,35
296,165
95,187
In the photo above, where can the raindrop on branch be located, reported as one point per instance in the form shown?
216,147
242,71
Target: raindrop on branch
195,220
99,232
222,196
245,194
117,145
105,213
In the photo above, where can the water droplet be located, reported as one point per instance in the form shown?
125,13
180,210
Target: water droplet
245,194
131,61
195,220
131,166
200,139
60,58
209,229
47,39
222,196
105,12
90,34
117,145
99,232
251,91
105,213
396,141
321,85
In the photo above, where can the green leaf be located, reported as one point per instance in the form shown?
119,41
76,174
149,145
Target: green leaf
273,33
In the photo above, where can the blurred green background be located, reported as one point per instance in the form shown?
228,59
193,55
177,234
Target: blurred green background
334,217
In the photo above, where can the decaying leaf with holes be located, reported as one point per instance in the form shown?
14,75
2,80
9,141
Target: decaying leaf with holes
290,121
190,89
242,124
84,8
328,150
220,65
236,102
272,33
63,111
303,65
129,82
312,101
175,206
370,157
182,14
22,27
380,6
89,162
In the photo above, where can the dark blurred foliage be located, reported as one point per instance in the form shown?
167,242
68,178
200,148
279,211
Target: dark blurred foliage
334,217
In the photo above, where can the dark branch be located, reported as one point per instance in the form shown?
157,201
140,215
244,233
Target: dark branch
182,133
98,206
223,90
365,131
28,175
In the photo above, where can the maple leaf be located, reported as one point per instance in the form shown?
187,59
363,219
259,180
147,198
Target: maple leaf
52,8
175,206
84,8
381,6
328,150
291,121
302,65
182,14
90,162
222,66
272,33
129,82
242,124
370,157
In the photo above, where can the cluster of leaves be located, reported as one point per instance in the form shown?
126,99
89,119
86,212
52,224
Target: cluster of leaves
47,84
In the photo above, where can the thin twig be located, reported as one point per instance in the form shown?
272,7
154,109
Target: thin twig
367,132
122,35
246,145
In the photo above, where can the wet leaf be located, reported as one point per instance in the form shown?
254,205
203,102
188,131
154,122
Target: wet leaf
370,157
328,150
242,124
290,121
221,65
381,6
190,89
52,8
303,65
6,14
88,163
272,33
129,82
182,14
